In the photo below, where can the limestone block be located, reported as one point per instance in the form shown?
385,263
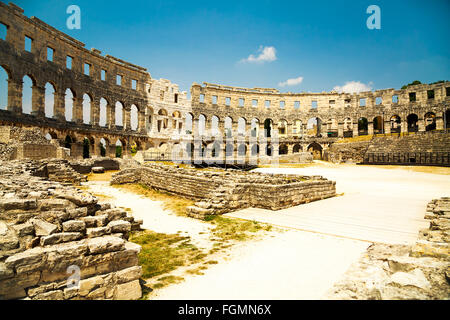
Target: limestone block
128,291
60,237
97,232
24,229
74,226
415,278
119,226
17,204
105,244
129,274
43,228
77,212
98,170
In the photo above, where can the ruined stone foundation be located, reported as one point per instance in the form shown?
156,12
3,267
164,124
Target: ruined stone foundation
220,191
50,231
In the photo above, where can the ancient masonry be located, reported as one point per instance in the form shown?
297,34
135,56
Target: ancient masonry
108,86
223,191
50,231
419,271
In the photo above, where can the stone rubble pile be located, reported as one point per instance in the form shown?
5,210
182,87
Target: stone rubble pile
48,231
397,272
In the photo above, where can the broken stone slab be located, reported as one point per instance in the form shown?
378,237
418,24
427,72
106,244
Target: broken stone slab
60,237
54,204
415,278
74,226
97,232
129,274
95,221
105,244
17,204
43,228
24,229
3,228
119,226
27,257
77,212
128,291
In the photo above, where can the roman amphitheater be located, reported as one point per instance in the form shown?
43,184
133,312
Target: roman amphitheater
94,112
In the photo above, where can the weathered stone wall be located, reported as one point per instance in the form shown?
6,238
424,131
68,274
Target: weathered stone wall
46,228
221,191
347,152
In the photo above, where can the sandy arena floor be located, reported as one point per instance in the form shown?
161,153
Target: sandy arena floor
322,239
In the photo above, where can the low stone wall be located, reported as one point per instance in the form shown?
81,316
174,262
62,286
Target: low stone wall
221,191
49,232
419,271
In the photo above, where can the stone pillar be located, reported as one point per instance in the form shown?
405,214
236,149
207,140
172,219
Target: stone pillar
95,112
404,125
126,119
15,96
387,126
289,130
77,110
340,129
370,128
234,129
141,122
355,129
421,124
439,122
59,106
195,127
38,101
111,116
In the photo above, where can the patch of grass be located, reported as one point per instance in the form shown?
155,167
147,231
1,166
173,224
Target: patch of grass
234,229
162,253
171,202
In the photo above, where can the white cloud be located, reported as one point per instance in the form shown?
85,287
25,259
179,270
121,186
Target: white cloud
291,82
353,87
265,54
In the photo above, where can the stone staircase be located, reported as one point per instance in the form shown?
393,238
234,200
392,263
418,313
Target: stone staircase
431,148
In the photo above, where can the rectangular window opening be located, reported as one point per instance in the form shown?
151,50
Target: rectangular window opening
314,104
267,104
395,99
119,80
297,105
202,98
282,104
227,101
103,75
134,84
254,103
378,101
87,69
175,99
362,102
214,99
28,43
241,102
412,96
69,61
50,54
430,94
3,31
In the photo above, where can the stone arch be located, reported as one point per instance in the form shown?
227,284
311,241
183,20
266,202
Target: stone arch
447,119
202,124
228,126
396,124
255,149
103,144
177,123
69,96
215,130
118,111
282,127
242,125
229,150
363,126
332,127
283,149
49,100
430,121
163,120
87,105
254,127
28,88
134,117
378,125
103,112
189,118
268,125
5,76
314,127
297,148
348,127
413,121
269,150
316,150
297,129
242,150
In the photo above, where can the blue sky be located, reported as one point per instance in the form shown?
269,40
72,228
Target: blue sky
324,44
